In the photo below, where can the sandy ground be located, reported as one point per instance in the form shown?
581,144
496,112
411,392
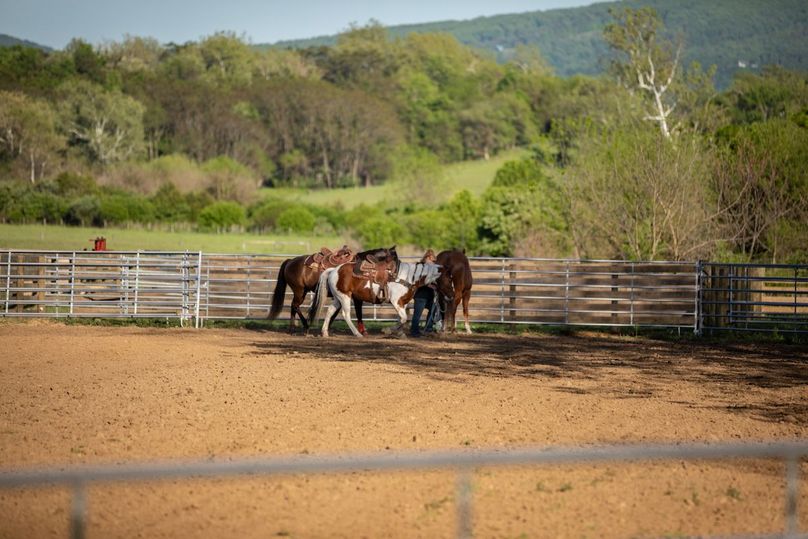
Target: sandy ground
86,395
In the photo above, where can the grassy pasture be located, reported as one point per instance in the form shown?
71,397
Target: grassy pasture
78,238
472,175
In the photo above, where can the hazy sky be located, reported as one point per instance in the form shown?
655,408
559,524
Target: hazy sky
55,22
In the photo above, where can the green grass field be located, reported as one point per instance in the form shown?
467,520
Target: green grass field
472,175
77,238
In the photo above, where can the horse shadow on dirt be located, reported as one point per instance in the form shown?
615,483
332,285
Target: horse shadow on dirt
610,365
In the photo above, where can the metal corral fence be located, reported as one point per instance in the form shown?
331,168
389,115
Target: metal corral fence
193,287
754,297
463,462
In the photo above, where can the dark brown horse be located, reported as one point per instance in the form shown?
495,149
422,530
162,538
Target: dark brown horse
302,278
457,276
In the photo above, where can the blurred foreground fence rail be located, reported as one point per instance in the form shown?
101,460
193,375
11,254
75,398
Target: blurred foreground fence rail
463,462
193,287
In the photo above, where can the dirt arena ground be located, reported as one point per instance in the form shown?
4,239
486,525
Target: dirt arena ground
85,395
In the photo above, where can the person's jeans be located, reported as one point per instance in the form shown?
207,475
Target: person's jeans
419,304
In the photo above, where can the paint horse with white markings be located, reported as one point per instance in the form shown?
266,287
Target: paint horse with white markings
386,282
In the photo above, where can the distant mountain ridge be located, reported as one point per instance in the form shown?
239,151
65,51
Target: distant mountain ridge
732,34
10,41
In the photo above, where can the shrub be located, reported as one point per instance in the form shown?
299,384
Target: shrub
230,180
113,209
69,185
84,211
264,215
380,230
428,229
169,204
296,219
221,216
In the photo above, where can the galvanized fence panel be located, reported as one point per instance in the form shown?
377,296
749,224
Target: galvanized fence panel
101,284
754,297
193,287
221,286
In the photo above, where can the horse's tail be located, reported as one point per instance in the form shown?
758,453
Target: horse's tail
320,293
279,293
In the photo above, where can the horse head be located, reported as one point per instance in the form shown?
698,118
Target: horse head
445,284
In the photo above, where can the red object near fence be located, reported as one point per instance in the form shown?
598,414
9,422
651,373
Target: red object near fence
99,244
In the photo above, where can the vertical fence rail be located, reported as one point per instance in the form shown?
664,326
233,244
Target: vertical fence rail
8,279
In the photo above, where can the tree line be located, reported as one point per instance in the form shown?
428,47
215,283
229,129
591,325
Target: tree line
647,162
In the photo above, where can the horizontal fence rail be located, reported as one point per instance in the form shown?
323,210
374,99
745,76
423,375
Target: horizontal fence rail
194,286
463,462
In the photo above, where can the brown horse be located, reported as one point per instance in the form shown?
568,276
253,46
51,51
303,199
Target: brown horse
457,276
302,278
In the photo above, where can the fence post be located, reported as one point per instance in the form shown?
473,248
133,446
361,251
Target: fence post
137,281
123,307
613,304
72,280
567,293
198,288
8,280
186,276
512,293
697,314
78,511
502,292
732,296
249,261
465,527
631,295
40,284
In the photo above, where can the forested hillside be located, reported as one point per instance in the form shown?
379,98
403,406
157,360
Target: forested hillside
723,33
648,161
10,41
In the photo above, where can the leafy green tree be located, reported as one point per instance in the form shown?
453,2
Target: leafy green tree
650,65
284,64
28,132
638,197
418,175
762,183
774,93
463,213
363,57
227,59
521,204
230,180
87,61
133,54
108,124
